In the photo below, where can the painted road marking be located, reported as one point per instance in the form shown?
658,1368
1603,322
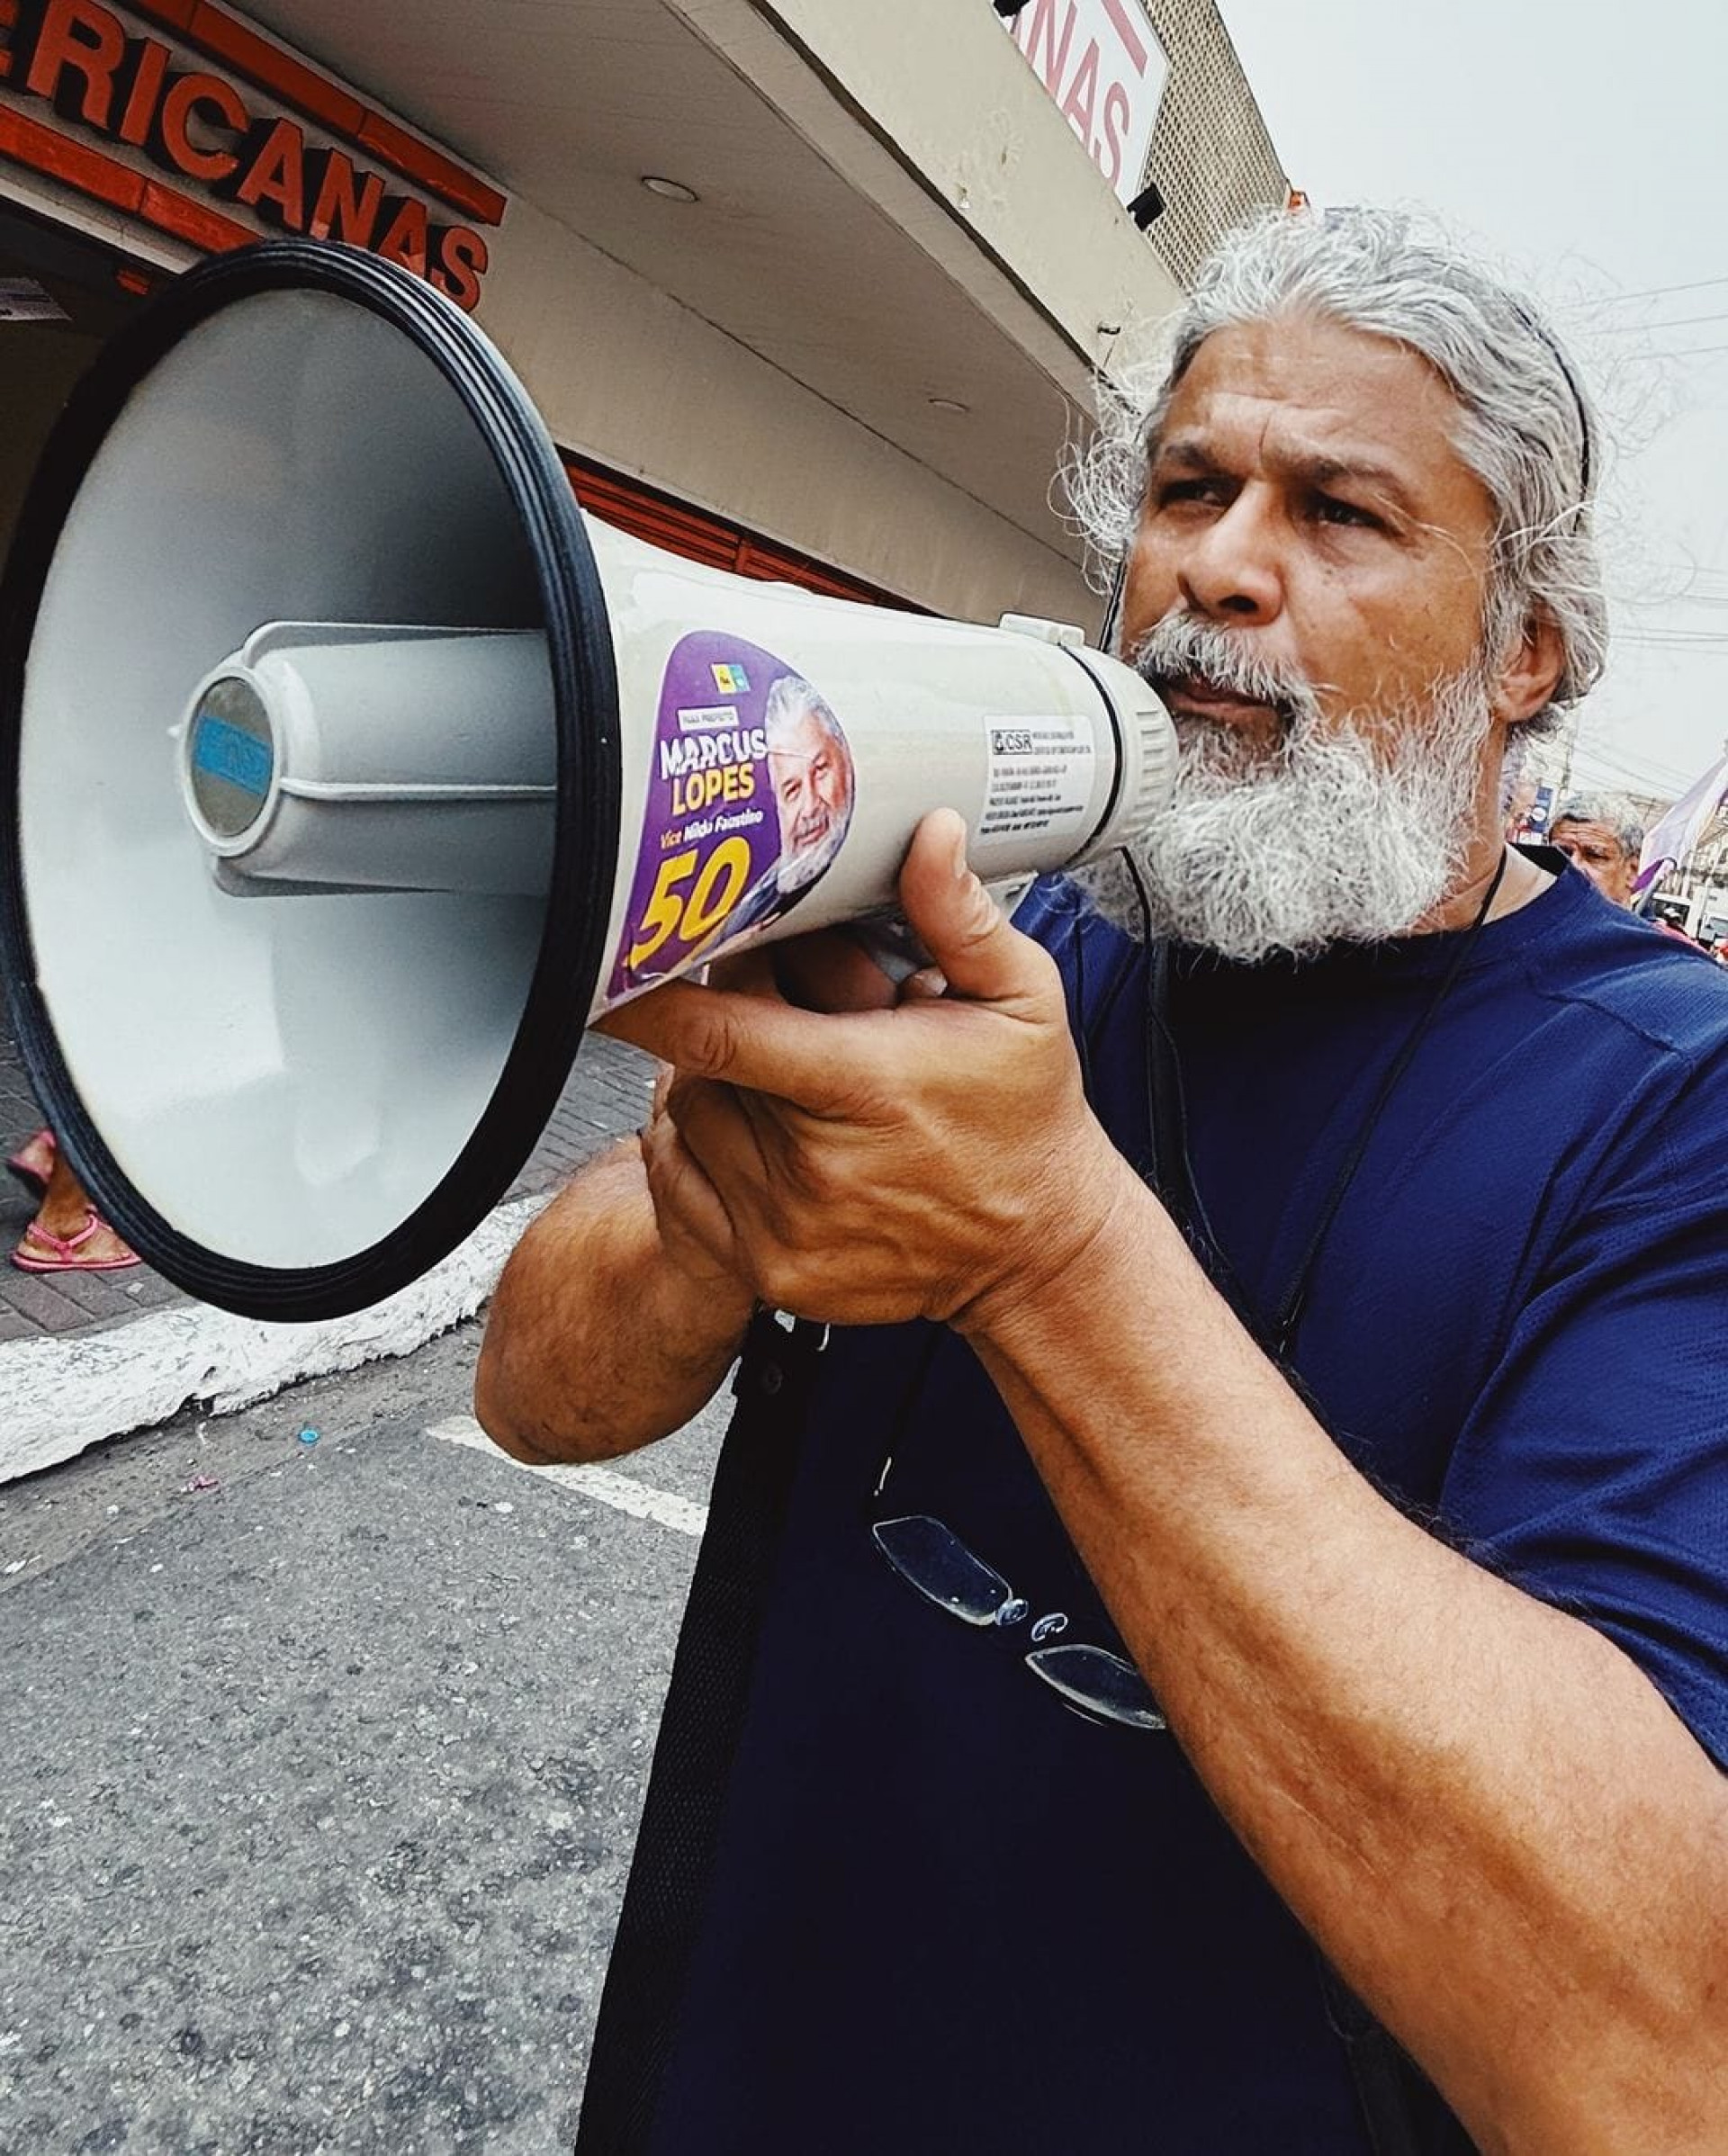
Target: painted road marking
605,1486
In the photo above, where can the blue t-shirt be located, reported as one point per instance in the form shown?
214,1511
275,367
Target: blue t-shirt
951,1916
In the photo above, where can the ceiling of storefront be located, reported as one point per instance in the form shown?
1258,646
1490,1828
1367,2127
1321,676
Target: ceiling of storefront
569,104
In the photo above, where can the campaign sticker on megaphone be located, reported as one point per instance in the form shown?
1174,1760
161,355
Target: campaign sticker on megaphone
750,794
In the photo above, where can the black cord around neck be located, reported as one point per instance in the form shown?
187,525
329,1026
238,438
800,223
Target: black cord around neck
1172,1165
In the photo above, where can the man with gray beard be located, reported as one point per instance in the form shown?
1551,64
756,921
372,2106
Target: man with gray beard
1287,1336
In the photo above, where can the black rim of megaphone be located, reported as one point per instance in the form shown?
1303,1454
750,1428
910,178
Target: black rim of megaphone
586,704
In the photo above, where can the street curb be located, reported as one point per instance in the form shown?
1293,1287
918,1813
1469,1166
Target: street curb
64,1393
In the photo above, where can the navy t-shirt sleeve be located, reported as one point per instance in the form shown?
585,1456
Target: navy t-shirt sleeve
1593,1470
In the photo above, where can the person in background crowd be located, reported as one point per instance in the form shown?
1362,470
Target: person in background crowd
1600,833
68,1234
1519,803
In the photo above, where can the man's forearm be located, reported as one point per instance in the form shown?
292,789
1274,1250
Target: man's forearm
1484,1811
597,1339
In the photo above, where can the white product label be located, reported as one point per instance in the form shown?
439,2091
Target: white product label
1039,777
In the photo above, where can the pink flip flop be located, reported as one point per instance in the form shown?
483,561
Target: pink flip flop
25,1169
61,1252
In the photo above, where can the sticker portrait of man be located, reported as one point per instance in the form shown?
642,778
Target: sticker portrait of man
810,772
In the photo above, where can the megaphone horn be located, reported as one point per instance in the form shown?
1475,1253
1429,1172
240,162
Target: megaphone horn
354,771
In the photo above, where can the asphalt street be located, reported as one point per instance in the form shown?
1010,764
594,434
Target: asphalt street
322,1764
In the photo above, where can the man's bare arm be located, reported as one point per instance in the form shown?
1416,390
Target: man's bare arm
606,1331
1482,1807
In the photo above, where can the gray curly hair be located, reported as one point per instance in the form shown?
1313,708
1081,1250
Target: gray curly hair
1526,427
1612,812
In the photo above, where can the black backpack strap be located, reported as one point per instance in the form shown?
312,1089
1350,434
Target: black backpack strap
1383,2072
699,1732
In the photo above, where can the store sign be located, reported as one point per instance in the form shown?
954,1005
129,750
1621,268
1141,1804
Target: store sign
1101,60
257,130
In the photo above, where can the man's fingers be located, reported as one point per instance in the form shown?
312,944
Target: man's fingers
685,1202
745,1040
959,924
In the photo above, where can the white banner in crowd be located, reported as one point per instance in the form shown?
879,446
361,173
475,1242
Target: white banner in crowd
1672,839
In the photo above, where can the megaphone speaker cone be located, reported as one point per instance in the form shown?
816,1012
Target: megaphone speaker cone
310,717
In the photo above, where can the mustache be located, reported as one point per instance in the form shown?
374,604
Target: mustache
1182,647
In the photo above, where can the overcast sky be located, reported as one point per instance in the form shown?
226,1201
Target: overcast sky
1586,145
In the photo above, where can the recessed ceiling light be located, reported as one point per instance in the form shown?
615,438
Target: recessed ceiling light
671,190
947,404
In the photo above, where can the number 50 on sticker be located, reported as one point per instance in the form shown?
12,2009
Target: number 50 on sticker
691,915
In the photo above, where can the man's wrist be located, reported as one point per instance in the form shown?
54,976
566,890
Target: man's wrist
1070,1253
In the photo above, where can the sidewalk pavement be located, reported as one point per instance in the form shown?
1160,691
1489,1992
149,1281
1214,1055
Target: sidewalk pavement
87,1356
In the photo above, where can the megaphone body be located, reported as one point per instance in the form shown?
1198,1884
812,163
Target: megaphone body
356,772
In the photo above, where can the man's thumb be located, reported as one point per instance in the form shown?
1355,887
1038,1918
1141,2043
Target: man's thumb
955,918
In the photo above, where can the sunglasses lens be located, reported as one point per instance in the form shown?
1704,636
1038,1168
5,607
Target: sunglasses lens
933,1560
1098,1683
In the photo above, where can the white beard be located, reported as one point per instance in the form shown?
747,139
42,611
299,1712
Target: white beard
1338,831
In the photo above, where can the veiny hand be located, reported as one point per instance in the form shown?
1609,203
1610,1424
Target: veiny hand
932,1157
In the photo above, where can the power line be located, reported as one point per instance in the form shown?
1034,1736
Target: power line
1588,767
1698,640
1685,321
1650,773
1651,767
1629,774
1655,291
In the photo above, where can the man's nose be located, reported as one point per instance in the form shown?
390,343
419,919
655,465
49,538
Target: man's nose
1232,570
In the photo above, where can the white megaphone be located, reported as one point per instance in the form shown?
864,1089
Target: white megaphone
354,771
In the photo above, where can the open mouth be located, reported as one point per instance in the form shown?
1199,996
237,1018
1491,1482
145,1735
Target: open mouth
1193,695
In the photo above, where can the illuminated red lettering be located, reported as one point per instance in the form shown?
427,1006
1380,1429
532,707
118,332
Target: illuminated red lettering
275,181
462,259
344,206
150,72
406,240
171,144
78,50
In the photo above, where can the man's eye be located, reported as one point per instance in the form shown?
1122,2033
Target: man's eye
1173,491
1329,509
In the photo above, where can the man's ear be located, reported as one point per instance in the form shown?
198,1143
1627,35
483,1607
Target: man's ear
1527,676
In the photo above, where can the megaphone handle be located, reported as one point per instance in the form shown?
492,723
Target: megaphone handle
890,946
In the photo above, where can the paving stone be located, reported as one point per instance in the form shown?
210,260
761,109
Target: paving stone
34,1295
95,1294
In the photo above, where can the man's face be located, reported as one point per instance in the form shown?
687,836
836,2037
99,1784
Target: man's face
1308,592
1598,851
812,780
1305,495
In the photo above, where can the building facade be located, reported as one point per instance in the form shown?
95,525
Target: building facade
1212,159
810,290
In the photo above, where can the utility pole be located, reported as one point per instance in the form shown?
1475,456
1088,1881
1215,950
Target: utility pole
1564,788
